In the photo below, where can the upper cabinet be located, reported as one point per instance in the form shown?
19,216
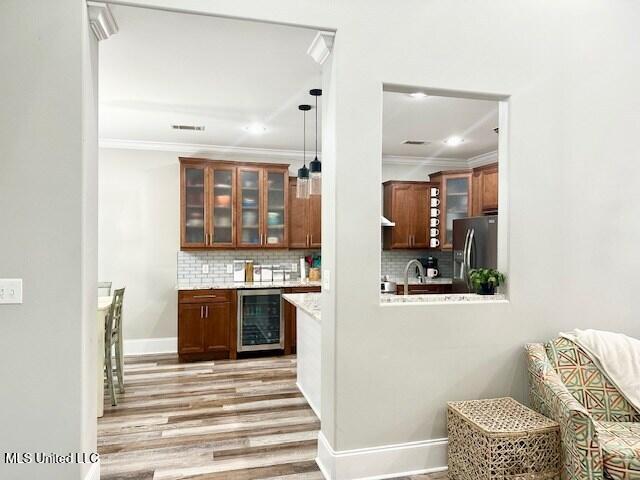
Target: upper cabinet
233,205
304,219
222,210
276,193
456,201
193,206
408,205
485,189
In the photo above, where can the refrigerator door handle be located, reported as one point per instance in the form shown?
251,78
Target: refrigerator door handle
468,259
470,248
463,272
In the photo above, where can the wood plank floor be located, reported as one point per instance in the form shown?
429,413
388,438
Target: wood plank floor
231,420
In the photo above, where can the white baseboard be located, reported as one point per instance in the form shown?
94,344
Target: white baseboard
388,461
148,346
94,472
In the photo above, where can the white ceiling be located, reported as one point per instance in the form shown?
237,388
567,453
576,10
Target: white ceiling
165,68
434,119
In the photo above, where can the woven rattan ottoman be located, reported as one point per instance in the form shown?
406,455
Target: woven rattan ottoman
500,439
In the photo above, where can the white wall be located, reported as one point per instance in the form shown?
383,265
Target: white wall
139,233
406,171
139,236
572,70
48,219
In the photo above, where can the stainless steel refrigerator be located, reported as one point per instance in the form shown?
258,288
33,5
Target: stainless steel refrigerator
475,245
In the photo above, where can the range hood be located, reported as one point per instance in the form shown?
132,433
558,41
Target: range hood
386,222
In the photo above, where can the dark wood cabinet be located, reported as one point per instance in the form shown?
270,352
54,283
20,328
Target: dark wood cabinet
206,324
305,219
233,205
485,189
216,328
407,204
426,288
190,331
455,201
290,318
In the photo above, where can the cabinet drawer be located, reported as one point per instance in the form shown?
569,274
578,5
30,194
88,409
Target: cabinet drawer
303,289
424,289
205,296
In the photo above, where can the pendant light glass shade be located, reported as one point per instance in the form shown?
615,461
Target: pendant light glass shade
315,177
315,187
302,185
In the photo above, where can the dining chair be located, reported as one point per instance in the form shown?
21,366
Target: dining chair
104,289
113,340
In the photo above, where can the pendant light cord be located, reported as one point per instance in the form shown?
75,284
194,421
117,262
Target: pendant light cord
316,126
304,137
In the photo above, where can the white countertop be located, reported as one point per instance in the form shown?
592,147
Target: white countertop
309,302
104,303
245,285
448,298
427,281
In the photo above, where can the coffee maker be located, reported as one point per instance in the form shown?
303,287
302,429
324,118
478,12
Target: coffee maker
430,265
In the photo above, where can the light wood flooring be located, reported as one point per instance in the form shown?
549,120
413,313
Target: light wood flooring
231,420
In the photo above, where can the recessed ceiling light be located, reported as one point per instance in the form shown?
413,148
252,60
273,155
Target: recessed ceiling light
255,129
418,95
453,141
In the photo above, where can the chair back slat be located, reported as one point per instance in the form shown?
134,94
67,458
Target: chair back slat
114,318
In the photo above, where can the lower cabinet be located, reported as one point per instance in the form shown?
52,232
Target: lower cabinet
426,288
206,324
290,318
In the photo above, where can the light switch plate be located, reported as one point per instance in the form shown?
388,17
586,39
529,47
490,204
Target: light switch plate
229,268
10,291
205,268
294,267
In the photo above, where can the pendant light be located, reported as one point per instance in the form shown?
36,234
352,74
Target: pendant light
302,188
315,166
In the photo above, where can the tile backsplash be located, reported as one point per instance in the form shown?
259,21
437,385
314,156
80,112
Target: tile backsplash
394,261
190,263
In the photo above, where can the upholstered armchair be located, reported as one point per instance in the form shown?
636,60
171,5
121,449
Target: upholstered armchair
598,426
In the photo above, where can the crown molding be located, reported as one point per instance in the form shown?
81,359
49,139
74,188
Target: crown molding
484,159
101,20
228,152
248,153
435,162
321,46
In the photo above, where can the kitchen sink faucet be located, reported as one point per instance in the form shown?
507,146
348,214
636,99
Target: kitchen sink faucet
416,263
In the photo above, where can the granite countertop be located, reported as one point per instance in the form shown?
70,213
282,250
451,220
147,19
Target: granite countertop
427,281
449,298
245,285
309,302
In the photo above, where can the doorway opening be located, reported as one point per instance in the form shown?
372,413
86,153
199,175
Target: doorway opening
201,221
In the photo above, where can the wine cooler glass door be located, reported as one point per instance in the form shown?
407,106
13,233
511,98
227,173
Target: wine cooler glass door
260,320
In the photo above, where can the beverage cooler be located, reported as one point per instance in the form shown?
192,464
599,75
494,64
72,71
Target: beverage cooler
260,320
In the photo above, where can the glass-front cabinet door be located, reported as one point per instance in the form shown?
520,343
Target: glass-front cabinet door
194,227
249,220
275,234
222,206
457,193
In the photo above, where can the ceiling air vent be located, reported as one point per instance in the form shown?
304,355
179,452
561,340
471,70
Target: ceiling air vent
415,142
197,128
